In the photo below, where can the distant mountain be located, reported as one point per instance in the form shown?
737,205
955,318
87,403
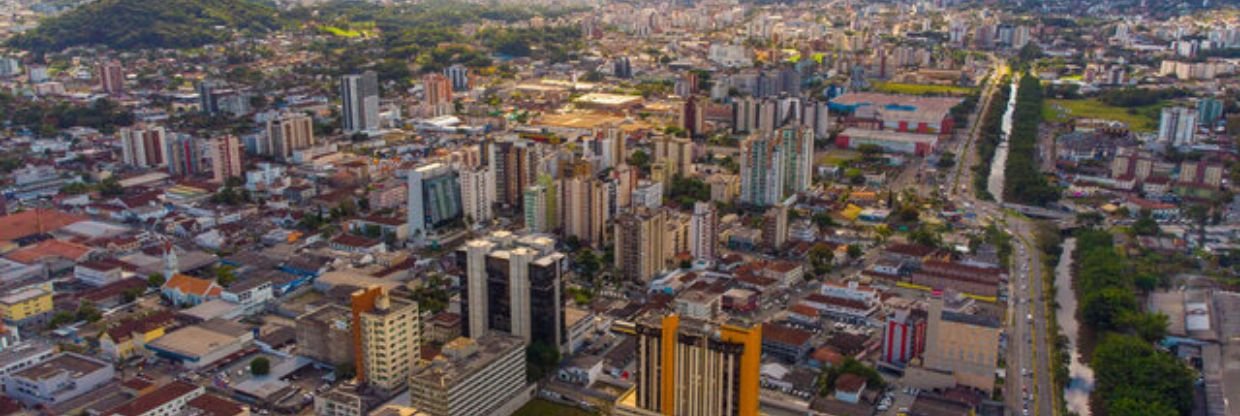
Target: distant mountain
141,24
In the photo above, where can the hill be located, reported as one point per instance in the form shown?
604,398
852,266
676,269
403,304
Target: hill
142,24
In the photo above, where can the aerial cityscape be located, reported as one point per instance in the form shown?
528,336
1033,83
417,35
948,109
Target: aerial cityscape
620,207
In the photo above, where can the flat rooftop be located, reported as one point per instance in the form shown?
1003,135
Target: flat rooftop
446,370
194,341
73,364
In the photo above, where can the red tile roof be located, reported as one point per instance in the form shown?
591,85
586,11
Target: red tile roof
153,400
193,285
35,221
49,249
785,335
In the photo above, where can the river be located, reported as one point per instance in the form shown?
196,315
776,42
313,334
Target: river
1076,394
994,182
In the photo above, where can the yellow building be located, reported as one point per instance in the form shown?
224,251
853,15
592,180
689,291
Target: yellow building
27,305
129,337
388,338
693,367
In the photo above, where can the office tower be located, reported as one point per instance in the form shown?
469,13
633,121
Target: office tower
387,337
112,77
434,199
790,81
703,231
687,366
184,156
225,153
513,285
470,377
639,240
676,153
965,346
584,212
286,133
1209,111
622,68
904,336
513,162
143,146
477,194
359,96
458,77
1177,126
612,149
535,201
693,116
438,93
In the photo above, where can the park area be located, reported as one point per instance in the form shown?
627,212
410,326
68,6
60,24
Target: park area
922,89
1138,119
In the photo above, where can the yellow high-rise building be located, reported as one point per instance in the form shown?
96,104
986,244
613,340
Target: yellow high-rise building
387,338
690,367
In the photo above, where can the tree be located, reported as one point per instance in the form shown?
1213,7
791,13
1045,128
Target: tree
640,160
155,280
260,366
588,263
854,251
540,360
88,312
111,187
1127,367
225,276
821,258
1104,309
345,371
824,220
1145,224
1151,327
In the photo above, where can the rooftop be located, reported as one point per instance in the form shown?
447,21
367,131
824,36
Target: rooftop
462,357
75,365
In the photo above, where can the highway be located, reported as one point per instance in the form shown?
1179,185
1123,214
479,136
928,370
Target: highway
1028,386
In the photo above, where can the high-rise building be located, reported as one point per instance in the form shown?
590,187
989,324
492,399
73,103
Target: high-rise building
904,336
471,377
458,77
143,146
387,337
775,226
514,285
112,77
535,201
687,366
225,153
817,118
438,92
774,166
434,199
477,193
286,133
513,162
584,209
639,241
359,95
622,68
693,116
965,346
1177,126
184,155
704,231
1209,111
676,153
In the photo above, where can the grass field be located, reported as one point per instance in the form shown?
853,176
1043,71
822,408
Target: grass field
345,32
540,407
922,89
1141,119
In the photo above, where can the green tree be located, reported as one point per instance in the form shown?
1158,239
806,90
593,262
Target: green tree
540,360
854,251
225,275
155,280
1104,309
640,159
822,219
820,259
1127,367
110,187
260,366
